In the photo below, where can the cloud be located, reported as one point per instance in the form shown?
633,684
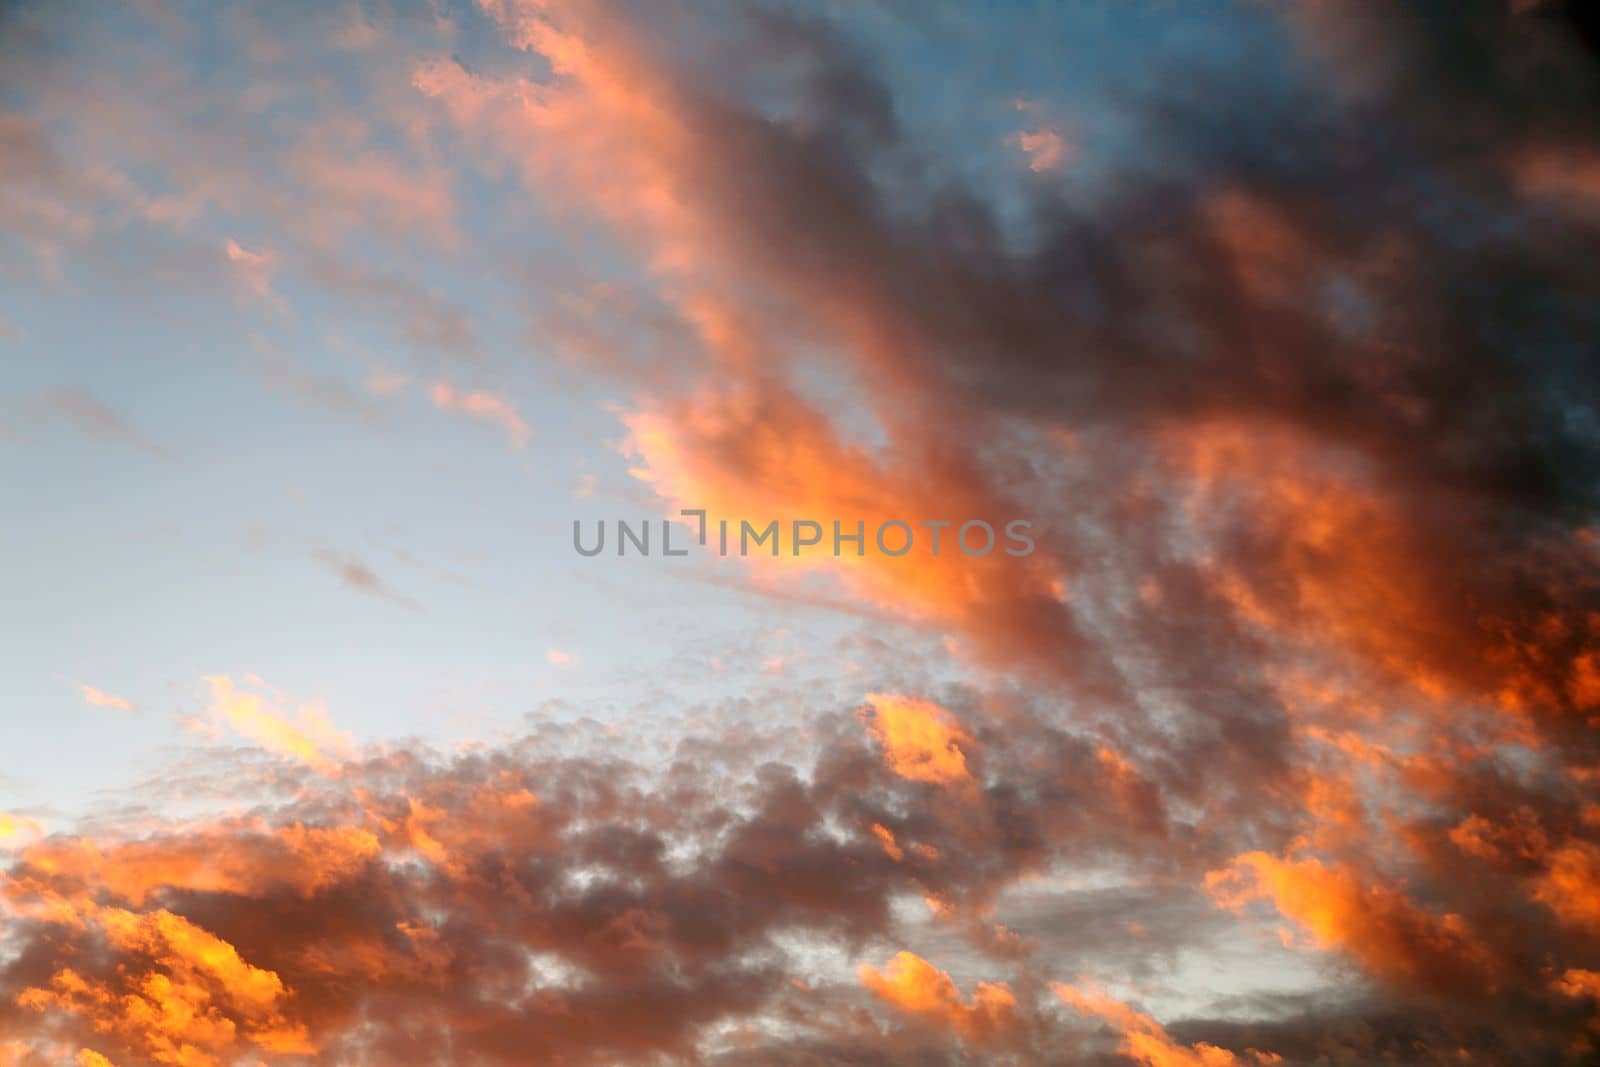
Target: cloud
357,187
1047,149
98,699
1233,269
485,406
912,984
384,382
921,741
1144,1041
329,392
307,736
84,411
1570,885
1341,908
427,320
289,922
199,1003
1306,426
358,576
45,202
18,829
391,878
255,269
762,452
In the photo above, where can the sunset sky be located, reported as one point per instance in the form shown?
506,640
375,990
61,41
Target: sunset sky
322,323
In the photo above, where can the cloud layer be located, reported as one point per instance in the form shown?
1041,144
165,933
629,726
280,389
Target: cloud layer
1299,392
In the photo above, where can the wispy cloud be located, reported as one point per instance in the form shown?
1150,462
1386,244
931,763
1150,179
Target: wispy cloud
81,409
356,575
16,830
483,405
100,699
254,268
264,717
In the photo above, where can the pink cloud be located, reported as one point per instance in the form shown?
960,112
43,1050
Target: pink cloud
1045,148
255,269
101,699
482,405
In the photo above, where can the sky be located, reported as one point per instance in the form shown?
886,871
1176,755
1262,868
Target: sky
323,326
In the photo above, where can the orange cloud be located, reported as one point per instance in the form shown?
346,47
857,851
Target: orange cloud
1519,838
921,741
195,1003
1336,564
1570,885
255,269
760,453
612,133
609,114
308,737
885,838
1560,173
17,829
1047,149
226,858
486,406
1575,982
913,985
1146,1041
1376,924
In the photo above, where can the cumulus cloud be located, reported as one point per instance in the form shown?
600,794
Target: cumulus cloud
912,984
921,741
635,889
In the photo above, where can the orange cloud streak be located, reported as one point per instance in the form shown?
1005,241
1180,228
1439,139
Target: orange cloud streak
1146,1041
1377,924
308,737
